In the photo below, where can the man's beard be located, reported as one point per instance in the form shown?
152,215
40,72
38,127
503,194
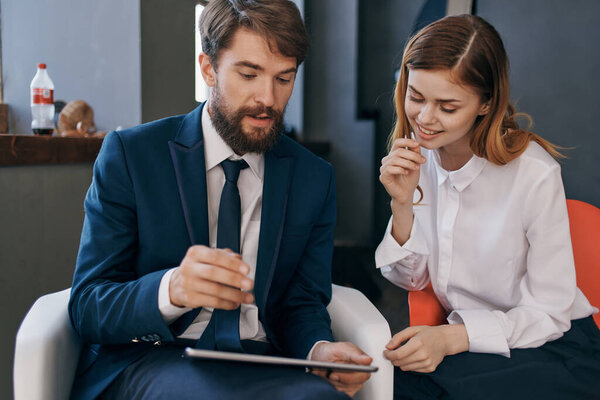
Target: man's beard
229,126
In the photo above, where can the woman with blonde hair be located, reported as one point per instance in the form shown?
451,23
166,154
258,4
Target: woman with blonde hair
479,212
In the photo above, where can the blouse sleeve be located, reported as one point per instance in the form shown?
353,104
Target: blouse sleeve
547,289
405,266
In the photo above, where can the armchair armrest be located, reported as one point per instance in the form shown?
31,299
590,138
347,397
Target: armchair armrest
46,350
355,319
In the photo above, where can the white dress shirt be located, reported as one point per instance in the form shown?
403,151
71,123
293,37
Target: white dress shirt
494,241
250,185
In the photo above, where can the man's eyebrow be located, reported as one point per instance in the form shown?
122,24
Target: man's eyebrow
249,65
259,68
437,100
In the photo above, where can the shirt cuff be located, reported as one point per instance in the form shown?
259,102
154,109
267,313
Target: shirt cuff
168,311
485,332
389,251
309,356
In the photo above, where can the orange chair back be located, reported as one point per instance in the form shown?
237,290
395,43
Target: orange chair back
424,308
584,220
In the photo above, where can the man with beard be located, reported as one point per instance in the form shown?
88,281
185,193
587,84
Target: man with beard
212,230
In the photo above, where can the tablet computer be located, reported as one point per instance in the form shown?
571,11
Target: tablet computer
284,361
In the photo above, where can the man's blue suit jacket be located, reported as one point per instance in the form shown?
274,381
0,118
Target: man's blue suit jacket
147,205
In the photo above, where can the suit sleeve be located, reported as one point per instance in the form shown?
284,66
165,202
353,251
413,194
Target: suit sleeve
110,303
305,319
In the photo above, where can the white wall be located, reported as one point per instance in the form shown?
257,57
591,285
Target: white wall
92,49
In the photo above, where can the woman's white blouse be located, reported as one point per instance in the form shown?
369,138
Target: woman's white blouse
494,241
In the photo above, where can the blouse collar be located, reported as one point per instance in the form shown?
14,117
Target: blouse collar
462,177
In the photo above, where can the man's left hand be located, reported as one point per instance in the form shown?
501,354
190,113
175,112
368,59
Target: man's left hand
347,353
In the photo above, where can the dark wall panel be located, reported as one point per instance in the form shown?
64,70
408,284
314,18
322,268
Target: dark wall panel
167,46
554,49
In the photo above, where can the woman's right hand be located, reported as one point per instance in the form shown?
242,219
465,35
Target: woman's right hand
399,172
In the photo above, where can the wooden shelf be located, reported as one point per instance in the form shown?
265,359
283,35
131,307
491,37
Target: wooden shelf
35,150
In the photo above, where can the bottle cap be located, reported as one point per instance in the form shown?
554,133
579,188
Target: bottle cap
42,66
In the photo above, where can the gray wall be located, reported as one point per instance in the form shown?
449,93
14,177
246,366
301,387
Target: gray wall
167,47
92,51
330,112
294,114
41,212
554,49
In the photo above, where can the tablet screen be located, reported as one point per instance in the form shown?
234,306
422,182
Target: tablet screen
253,358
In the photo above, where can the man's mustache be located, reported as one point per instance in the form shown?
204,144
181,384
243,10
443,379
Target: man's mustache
258,110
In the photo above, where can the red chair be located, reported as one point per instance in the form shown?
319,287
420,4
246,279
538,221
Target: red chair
584,220
425,309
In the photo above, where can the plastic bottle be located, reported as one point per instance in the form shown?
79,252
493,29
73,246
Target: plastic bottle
42,102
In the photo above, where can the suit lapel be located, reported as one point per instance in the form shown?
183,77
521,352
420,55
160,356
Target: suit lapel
276,187
187,153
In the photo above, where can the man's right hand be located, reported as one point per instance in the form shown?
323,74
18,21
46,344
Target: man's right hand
342,352
209,277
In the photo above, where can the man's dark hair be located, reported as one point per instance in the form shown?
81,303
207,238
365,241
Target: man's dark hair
278,21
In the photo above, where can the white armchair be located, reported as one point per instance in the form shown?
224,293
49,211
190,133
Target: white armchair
46,350
47,347
355,319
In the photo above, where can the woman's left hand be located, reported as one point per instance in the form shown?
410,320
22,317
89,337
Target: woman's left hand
426,346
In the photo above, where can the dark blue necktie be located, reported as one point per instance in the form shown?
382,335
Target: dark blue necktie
223,330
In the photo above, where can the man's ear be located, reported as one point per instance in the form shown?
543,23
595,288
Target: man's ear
207,70
484,108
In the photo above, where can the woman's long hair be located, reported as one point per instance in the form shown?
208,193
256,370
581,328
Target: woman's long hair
471,49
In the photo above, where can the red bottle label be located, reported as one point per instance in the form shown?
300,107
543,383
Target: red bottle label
42,96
